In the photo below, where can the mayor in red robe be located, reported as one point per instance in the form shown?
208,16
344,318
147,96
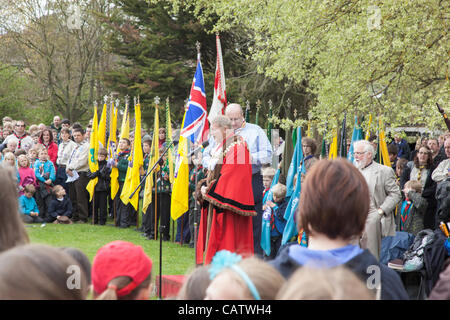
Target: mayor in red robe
226,196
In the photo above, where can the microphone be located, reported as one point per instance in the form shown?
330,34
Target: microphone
203,145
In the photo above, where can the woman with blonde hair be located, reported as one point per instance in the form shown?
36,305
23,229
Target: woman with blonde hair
324,284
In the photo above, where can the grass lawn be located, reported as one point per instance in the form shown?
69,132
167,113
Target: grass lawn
89,238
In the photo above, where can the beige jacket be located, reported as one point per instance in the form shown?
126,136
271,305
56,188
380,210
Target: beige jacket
384,194
79,158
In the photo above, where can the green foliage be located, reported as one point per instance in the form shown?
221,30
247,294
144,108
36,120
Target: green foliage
158,54
12,83
386,58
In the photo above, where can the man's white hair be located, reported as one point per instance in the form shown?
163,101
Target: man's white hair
367,146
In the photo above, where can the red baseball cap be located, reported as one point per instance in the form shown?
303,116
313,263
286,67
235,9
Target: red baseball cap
120,258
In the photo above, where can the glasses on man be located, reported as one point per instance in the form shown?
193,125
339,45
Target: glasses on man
359,153
20,125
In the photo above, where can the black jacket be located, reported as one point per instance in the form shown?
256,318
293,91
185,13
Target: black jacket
103,175
60,208
391,285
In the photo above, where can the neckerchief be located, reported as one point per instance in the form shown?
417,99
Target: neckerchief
125,152
404,213
419,173
20,139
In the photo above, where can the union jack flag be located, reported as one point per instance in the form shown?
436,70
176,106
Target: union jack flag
195,123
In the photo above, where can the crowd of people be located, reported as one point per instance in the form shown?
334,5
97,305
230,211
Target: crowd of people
345,212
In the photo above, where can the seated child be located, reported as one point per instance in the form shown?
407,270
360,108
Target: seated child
60,208
410,217
28,206
277,221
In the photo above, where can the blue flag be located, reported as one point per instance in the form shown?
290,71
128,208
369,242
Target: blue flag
357,135
295,163
265,229
291,227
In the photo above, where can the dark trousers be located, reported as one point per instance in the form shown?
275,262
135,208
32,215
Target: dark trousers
193,217
80,197
29,219
183,223
61,178
162,215
258,188
125,214
100,207
43,202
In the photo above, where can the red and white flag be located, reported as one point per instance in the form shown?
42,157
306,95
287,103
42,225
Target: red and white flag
220,98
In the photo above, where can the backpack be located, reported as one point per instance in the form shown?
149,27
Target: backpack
434,256
414,256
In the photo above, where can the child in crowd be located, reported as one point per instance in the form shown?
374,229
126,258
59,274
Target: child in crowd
195,285
413,208
28,206
399,167
121,271
101,188
60,208
123,217
234,278
164,195
324,284
45,175
146,149
268,174
40,272
26,174
9,159
32,155
12,145
277,221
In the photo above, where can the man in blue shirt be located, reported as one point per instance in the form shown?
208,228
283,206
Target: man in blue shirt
261,153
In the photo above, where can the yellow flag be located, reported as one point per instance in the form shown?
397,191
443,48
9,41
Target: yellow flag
154,156
133,175
101,136
368,128
93,153
112,140
333,148
180,191
383,148
124,133
168,140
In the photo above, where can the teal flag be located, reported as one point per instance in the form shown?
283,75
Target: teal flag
291,228
267,215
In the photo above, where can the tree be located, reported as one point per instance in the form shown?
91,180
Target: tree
387,58
158,54
59,46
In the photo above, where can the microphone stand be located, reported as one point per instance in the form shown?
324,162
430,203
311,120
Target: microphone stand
151,170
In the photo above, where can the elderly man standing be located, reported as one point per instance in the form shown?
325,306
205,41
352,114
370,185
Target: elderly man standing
23,140
261,153
384,196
